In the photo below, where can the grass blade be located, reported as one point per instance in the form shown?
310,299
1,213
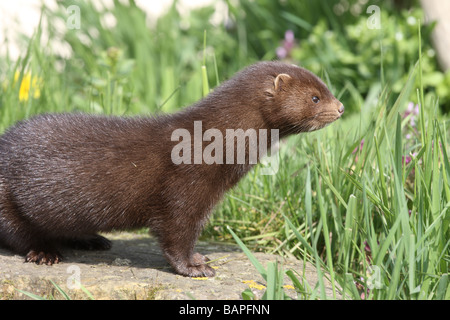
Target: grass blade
61,291
250,256
299,236
31,295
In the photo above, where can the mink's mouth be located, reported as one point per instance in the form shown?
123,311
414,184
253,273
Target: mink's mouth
312,123
321,120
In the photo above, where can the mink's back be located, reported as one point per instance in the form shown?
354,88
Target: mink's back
64,169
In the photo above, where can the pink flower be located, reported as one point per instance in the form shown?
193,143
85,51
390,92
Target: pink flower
360,147
414,110
406,160
367,247
281,53
288,44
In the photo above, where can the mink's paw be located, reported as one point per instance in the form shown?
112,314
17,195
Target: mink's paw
41,257
202,270
199,267
199,259
195,268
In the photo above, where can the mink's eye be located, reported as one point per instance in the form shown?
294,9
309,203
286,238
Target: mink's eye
315,99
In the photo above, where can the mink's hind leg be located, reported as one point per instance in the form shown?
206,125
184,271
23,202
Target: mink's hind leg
45,252
18,235
88,242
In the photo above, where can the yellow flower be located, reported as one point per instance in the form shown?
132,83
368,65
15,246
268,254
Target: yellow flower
28,84
253,284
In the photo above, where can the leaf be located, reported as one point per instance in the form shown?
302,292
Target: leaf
247,294
442,288
32,295
349,283
398,148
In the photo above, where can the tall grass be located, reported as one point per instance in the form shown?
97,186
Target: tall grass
372,207
366,200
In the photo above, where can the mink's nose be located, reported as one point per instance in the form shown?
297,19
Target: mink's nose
341,109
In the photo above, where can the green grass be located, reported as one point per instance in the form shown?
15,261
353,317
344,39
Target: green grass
375,222
64,295
373,219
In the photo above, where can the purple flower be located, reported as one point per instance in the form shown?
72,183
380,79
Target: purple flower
289,36
281,53
360,147
406,160
367,247
414,110
288,44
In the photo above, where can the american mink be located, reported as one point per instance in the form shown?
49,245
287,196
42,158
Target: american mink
65,177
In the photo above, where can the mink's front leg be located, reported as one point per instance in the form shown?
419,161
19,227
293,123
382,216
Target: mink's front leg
178,248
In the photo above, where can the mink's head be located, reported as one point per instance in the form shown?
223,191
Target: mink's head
299,101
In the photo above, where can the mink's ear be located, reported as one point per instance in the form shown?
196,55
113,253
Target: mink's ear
281,80
278,83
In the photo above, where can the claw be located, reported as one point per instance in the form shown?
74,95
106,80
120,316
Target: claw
40,257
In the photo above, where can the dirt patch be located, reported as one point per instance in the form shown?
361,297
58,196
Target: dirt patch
135,269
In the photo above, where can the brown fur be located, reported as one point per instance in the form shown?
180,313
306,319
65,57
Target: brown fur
65,177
